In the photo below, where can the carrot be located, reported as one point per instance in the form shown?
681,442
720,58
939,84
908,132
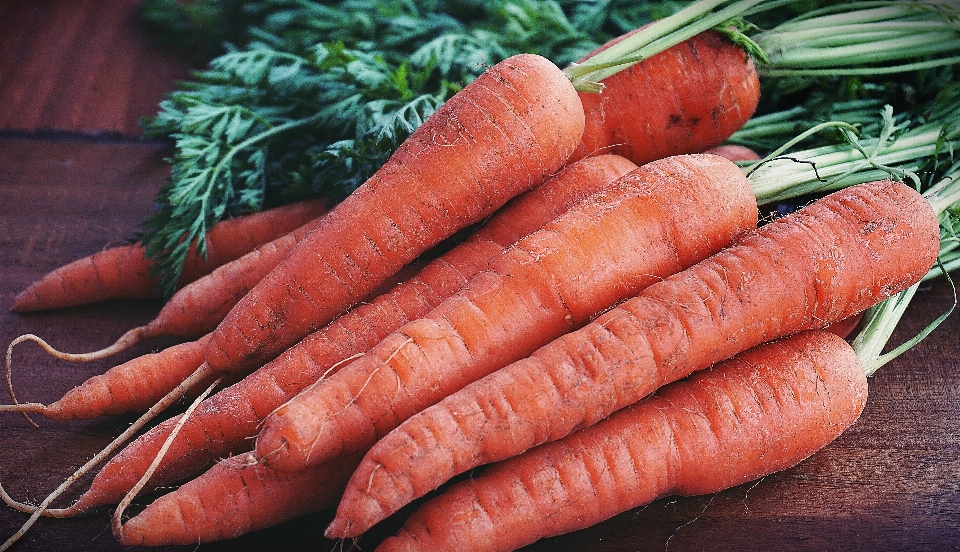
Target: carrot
734,152
693,95
124,272
655,221
236,496
133,386
508,130
760,412
836,257
197,308
224,424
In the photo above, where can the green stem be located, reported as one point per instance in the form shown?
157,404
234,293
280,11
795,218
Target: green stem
658,36
836,41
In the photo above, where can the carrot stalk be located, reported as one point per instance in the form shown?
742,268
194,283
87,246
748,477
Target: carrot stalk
760,412
225,424
854,38
832,259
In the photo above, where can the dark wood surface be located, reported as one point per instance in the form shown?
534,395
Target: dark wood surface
73,179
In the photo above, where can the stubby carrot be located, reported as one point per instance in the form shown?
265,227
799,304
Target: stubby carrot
760,412
226,423
685,99
836,257
505,132
655,221
124,272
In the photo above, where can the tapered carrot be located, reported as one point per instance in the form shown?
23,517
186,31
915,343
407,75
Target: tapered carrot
834,258
655,221
236,496
133,386
197,308
225,424
124,272
760,412
685,99
505,132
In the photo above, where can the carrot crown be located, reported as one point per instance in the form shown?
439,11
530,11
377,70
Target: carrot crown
850,38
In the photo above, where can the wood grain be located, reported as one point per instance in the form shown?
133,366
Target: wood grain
80,66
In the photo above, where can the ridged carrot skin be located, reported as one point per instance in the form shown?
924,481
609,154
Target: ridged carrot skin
225,423
653,222
133,386
758,413
686,99
124,272
822,264
236,496
507,131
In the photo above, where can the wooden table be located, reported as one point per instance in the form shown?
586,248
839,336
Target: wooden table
74,179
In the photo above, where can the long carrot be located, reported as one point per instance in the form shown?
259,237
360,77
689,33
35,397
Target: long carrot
760,412
655,221
505,132
225,424
124,272
836,257
236,496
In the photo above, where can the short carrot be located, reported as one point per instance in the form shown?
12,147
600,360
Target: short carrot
763,411
653,222
226,423
694,96
505,132
123,272
836,257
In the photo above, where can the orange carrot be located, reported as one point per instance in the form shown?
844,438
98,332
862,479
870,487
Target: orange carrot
236,496
834,258
505,132
735,152
655,221
124,272
225,423
133,386
197,308
686,99
760,412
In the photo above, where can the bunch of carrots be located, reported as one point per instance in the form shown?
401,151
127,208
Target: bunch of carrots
615,327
